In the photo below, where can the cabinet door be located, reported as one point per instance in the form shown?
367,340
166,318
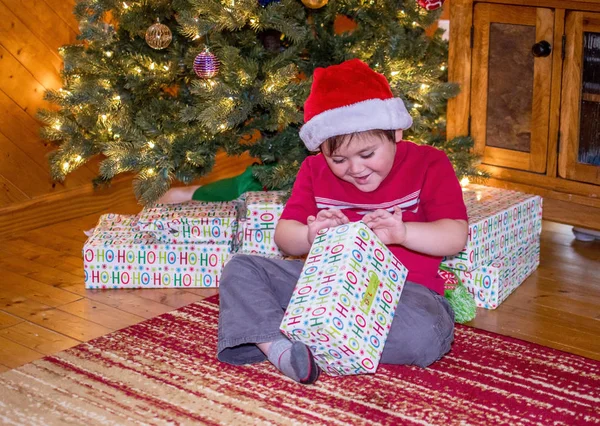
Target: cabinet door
579,156
510,98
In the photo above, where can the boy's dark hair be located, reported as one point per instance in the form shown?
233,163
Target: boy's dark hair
331,145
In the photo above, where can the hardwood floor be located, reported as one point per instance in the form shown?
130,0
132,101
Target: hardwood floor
44,307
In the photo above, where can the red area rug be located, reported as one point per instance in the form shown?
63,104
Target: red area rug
164,371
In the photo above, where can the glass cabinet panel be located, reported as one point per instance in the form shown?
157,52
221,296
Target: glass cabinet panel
510,86
579,149
589,125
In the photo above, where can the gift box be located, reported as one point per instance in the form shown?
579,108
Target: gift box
500,221
491,283
257,229
112,222
138,259
193,221
345,299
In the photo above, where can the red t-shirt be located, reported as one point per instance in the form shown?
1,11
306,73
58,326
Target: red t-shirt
422,181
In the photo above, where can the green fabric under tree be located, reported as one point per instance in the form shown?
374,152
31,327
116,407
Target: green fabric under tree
228,189
144,110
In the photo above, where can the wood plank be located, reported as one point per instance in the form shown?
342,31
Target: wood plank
14,355
100,313
29,50
7,320
10,194
459,67
34,180
64,8
42,292
45,256
175,298
554,119
556,188
39,339
542,82
43,22
23,131
571,93
557,4
127,302
20,86
83,200
50,277
68,324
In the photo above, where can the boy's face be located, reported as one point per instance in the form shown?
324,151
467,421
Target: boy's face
365,161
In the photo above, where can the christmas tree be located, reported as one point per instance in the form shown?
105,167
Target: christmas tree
158,87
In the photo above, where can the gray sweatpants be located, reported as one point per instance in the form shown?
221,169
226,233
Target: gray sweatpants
254,292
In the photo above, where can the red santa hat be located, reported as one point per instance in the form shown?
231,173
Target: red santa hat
347,98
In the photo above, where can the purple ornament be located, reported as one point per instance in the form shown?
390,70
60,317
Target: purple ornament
206,65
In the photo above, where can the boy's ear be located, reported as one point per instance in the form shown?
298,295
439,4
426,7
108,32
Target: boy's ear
398,135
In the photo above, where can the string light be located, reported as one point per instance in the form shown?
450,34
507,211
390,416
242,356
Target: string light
151,144
125,5
65,166
57,125
108,54
424,86
150,172
103,116
117,98
395,73
166,67
152,66
464,181
443,67
78,158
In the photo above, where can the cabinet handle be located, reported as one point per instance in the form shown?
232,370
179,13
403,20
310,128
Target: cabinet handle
541,49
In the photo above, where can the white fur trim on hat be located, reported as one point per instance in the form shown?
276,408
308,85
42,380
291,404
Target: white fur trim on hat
388,114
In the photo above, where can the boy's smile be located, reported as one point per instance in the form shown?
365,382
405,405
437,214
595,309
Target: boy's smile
364,161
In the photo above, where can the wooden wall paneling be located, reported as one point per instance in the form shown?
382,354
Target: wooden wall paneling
459,71
27,176
84,200
44,22
23,131
554,119
20,86
27,48
9,193
64,9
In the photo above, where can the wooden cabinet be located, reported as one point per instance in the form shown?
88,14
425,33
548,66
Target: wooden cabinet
529,72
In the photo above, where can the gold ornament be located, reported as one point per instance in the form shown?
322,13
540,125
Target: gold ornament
314,4
158,36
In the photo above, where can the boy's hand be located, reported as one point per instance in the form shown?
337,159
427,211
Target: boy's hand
325,219
389,227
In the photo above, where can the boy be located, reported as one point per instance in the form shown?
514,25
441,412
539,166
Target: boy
407,194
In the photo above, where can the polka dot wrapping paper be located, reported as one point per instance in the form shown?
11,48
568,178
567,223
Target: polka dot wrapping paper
345,299
257,230
500,220
503,246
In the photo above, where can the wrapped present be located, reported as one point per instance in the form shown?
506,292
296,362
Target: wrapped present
140,260
191,222
257,230
345,299
500,221
491,283
112,222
